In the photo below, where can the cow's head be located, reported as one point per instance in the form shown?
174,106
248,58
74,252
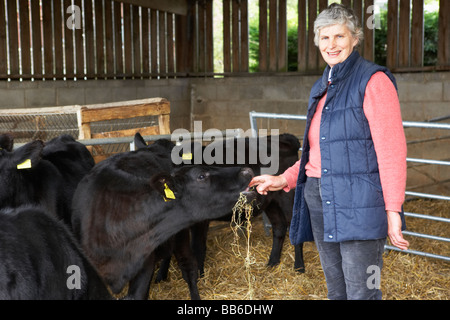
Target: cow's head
205,192
6,142
15,164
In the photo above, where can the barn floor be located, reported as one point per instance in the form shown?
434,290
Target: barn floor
404,276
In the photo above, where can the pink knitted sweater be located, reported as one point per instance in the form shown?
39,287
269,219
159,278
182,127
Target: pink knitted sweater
382,110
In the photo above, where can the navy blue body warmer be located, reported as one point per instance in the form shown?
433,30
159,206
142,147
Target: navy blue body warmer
352,198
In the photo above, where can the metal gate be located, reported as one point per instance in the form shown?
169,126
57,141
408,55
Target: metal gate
254,115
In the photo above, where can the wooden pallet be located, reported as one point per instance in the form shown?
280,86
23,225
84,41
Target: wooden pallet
87,115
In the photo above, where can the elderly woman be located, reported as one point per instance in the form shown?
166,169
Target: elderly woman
350,180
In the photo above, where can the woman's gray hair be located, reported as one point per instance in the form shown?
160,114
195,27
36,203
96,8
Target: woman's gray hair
338,14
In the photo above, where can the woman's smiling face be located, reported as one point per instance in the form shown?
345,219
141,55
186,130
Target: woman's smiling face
336,43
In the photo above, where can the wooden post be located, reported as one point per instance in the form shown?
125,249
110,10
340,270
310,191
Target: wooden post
302,41
109,43
312,49
444,34
25,37
282,36
273,35
244,36
392,32
263,35
417,34
404,30
235,37
58,61
13,38
164,124
83,127
3,46
369,35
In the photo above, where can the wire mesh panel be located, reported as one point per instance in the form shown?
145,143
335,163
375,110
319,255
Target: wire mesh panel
118,119
29,127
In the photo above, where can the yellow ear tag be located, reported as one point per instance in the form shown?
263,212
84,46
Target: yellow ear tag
169,193
186,156
24,165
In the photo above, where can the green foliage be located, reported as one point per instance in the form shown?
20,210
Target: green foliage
292,48
431,38
253,47
381,40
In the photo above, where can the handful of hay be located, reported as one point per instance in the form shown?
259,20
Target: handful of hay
240,209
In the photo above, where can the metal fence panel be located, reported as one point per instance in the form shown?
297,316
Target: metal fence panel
254,115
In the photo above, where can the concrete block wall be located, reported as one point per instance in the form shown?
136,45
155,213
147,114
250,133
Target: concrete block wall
225,103
33,94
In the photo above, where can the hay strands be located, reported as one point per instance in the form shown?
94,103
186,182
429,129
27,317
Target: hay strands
243,209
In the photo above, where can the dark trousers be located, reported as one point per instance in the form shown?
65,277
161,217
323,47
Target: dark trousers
352,268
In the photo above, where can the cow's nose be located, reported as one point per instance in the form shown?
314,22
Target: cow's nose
247,173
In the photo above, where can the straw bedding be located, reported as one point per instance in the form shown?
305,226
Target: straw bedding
404,276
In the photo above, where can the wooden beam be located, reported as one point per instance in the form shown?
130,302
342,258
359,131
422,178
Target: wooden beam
369,35
302,36
282,64
392,35
13,37
403,34
273,35
173,6
312,49
444,34
244,36
263,35
417,34
25,36
106,112
226,36
3,46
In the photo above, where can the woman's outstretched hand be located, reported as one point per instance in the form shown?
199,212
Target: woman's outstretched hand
266,183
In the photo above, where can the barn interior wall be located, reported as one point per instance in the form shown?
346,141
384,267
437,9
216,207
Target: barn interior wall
225,103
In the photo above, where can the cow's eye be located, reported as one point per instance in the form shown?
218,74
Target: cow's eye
202,177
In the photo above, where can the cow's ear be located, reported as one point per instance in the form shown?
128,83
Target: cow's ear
6,142
288,143
29,155
139,142
163,183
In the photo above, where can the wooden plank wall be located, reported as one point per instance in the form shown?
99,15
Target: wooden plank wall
235,36
118,40
405,36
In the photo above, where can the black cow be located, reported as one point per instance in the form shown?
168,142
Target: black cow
40,259
179,244
73,160
44,174
26,178
277,205
123,211
6,142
